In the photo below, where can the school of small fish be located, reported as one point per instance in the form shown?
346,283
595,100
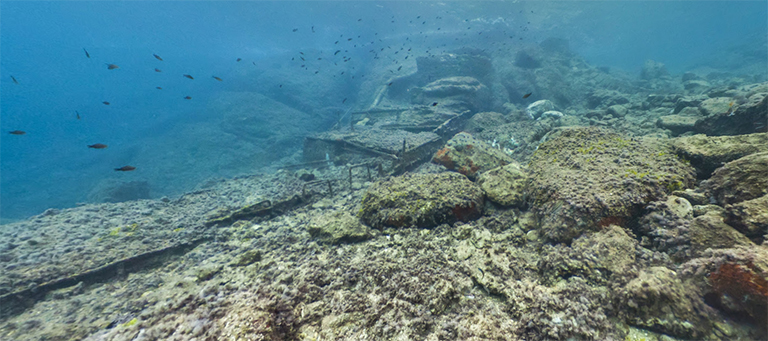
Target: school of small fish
375,45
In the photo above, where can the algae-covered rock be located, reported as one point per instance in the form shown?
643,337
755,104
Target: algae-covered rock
338,227
470,156
659,301
586,178
505,185
740,180
707,153
750,217
421,200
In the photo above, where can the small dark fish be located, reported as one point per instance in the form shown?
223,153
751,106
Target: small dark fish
349,39
105,103
527,95
337,52
14,80
301,52
390,84
17,132
97,146
158,70
313,29
280,86
302,59
187,97
342,102
78,114
254,63
398,69
158,57
217,78
125,169
359,19
434,104
86,53
336,42
239,59
158,88
295,29
112,67
188,76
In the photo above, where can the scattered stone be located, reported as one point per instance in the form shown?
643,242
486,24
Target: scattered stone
693,197
551,114
505,185
717,105
710,231
617,111
338,227
745,118
421,200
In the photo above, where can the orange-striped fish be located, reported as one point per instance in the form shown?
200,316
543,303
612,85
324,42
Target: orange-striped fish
125,169
188,76
112,67
217,78
158,57
97,146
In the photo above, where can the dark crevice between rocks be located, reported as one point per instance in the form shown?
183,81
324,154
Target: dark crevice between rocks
19,301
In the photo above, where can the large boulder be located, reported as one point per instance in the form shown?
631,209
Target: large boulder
707,153
586,178
421,200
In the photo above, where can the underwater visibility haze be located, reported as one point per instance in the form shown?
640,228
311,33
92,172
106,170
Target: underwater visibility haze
333,170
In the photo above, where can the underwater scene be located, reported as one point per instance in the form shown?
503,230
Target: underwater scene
384,170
